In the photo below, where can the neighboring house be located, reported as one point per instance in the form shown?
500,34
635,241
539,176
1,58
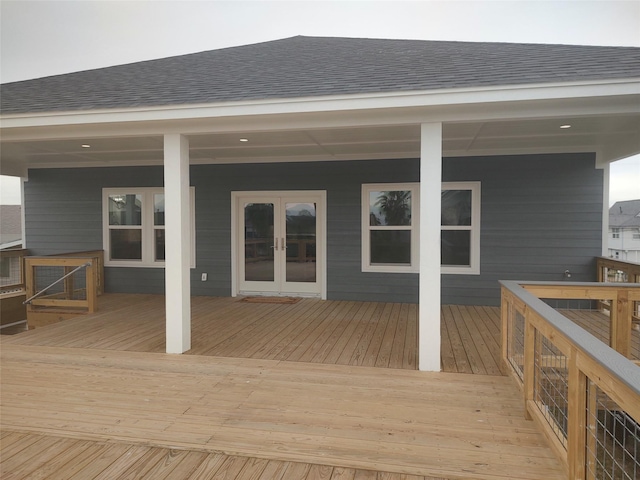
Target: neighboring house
10,238
10,226
624,231
355,169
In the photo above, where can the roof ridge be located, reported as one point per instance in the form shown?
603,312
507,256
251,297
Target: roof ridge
322,37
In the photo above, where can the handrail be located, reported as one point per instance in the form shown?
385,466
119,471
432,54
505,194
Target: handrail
614,362
626,266
621,269
30,299
568,377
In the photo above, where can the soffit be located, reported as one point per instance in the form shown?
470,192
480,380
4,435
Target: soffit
392,141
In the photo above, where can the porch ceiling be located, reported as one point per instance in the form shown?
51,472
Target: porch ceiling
593,133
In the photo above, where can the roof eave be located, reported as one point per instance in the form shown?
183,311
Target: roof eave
448,105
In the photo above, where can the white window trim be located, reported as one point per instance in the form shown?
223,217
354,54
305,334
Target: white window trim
414,227
147,227
474,228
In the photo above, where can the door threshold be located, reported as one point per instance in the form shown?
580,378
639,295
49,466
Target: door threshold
278,295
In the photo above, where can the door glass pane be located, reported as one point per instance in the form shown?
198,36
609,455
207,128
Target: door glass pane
390,208
301,242
126,244
391,247
258,242
456,247
125,209
456,207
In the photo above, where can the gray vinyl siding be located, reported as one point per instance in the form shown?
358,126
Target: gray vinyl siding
540,216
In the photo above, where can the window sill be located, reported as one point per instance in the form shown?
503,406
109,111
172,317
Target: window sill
389,269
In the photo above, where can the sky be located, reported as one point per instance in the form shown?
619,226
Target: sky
49,37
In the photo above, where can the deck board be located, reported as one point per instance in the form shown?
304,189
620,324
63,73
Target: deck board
597,323
176,413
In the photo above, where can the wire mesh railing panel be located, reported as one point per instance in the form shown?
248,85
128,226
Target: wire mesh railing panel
516,341
613,439
73,287
551,390
10,271
615,275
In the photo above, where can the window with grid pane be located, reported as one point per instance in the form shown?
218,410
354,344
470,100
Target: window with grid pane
134,227
390,227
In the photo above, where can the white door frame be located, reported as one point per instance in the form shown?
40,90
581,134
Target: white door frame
321,234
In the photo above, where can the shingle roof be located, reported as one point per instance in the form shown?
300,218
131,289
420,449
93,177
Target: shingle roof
625,214
315,66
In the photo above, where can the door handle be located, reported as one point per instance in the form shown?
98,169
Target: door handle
275,244
283,245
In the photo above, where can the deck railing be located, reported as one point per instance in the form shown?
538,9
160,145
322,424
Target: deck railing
12,269
71,291
616,271
584,395
12,287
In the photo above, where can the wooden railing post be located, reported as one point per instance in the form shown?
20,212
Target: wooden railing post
30,282
505,310
576,420
529,363
92,292
620,334
69,284
591,428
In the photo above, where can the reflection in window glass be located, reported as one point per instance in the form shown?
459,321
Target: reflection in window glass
456,207
390,208
158,209
258,242
159,244
125,209
456,247
390,247
301,242
126,244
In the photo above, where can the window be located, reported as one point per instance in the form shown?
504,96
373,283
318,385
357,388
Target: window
390,227
460,228
616,232
390,230
133,227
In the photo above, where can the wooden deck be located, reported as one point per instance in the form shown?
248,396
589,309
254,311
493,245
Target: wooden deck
267,391
223,416
597,323
315,331
65,458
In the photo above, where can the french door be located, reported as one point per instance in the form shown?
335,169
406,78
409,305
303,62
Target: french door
280,242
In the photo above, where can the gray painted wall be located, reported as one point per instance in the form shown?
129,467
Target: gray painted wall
540,216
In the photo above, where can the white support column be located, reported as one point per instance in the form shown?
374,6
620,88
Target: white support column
606,170
429,297
177,243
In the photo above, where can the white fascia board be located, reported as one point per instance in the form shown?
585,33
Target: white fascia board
342,103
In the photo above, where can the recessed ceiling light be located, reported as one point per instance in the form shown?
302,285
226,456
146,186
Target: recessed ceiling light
565,126
85,145
244,139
